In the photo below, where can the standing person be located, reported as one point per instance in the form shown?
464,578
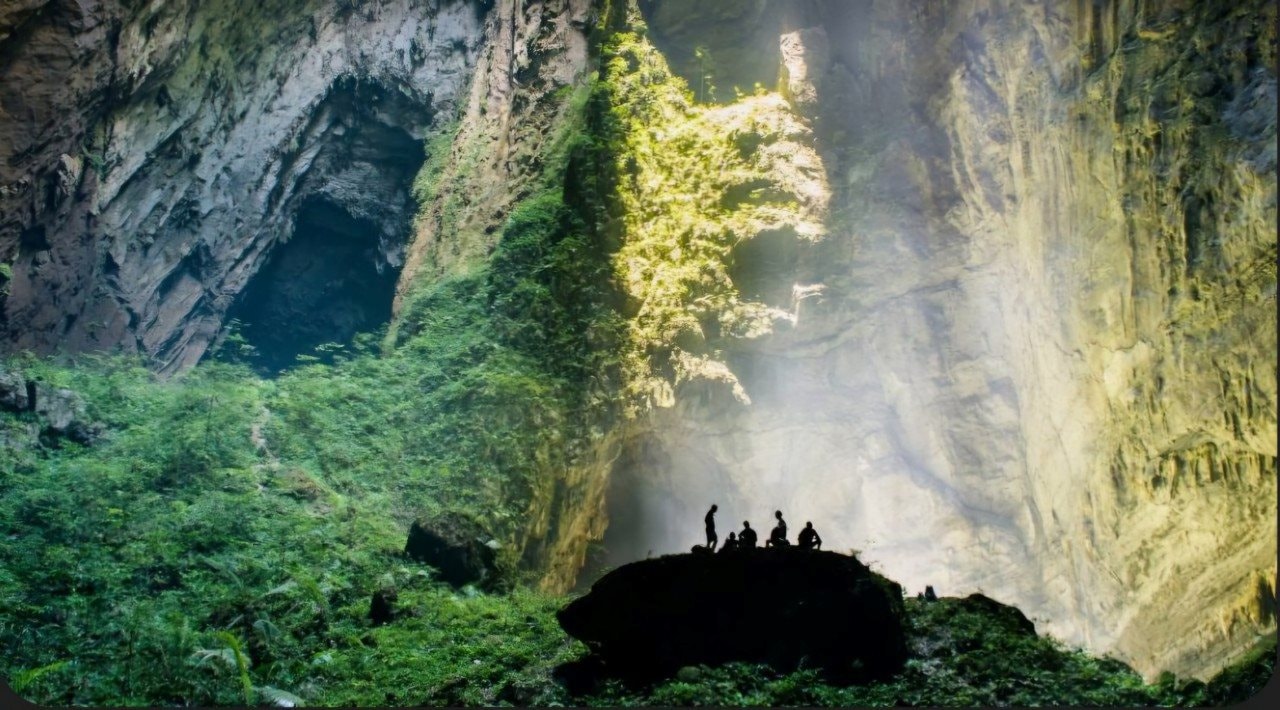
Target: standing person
711,528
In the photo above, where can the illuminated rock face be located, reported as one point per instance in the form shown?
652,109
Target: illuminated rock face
1035,354
1025,345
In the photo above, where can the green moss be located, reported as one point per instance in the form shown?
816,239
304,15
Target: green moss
691,183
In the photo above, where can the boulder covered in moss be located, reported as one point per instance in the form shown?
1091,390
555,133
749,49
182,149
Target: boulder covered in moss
459,547
776,606
1009,618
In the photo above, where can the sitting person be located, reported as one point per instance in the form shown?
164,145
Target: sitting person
778,537
746,538
809,539
730,544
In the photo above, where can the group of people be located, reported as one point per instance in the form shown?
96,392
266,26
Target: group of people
746,538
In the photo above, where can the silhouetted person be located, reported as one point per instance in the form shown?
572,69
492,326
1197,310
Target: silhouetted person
746,538
31,395
730,544
778,537
809,539
711,528
929,594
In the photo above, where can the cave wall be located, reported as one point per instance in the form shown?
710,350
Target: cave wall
154,153
1004,319
1034,354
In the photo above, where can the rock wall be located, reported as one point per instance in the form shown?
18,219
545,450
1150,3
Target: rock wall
1011,329
506,136
509,143
1034,354
153,154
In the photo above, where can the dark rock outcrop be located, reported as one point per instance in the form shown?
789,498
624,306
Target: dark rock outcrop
382,607
781,607
457,546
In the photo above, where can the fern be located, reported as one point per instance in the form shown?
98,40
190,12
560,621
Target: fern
241,663
20,681
280,698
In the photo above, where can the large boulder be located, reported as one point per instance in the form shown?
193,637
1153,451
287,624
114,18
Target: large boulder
773,606
457,546
61,412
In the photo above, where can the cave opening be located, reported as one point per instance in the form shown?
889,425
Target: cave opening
325,285
764,267
347,217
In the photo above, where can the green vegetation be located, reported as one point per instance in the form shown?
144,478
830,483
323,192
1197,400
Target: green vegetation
221,542
692,183
178,562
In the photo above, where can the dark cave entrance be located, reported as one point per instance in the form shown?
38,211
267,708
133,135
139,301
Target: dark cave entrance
764,267
349,217
325,285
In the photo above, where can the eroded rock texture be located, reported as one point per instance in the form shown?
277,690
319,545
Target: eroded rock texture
154,155
1011,327
1035,353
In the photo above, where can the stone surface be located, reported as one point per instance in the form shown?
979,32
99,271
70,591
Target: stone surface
154,155
772,606
58,413
456,546
1035,353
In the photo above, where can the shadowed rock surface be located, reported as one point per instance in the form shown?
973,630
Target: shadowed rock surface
456,546
780,607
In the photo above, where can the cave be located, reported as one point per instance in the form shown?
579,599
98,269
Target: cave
324,285
347,222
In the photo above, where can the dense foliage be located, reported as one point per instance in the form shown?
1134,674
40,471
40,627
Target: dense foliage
179,561
221,542
693,183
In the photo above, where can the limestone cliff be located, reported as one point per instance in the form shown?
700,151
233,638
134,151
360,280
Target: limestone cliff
1034,353
985,289
155,155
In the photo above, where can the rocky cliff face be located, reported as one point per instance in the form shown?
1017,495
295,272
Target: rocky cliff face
1034,354
984,289
157,155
